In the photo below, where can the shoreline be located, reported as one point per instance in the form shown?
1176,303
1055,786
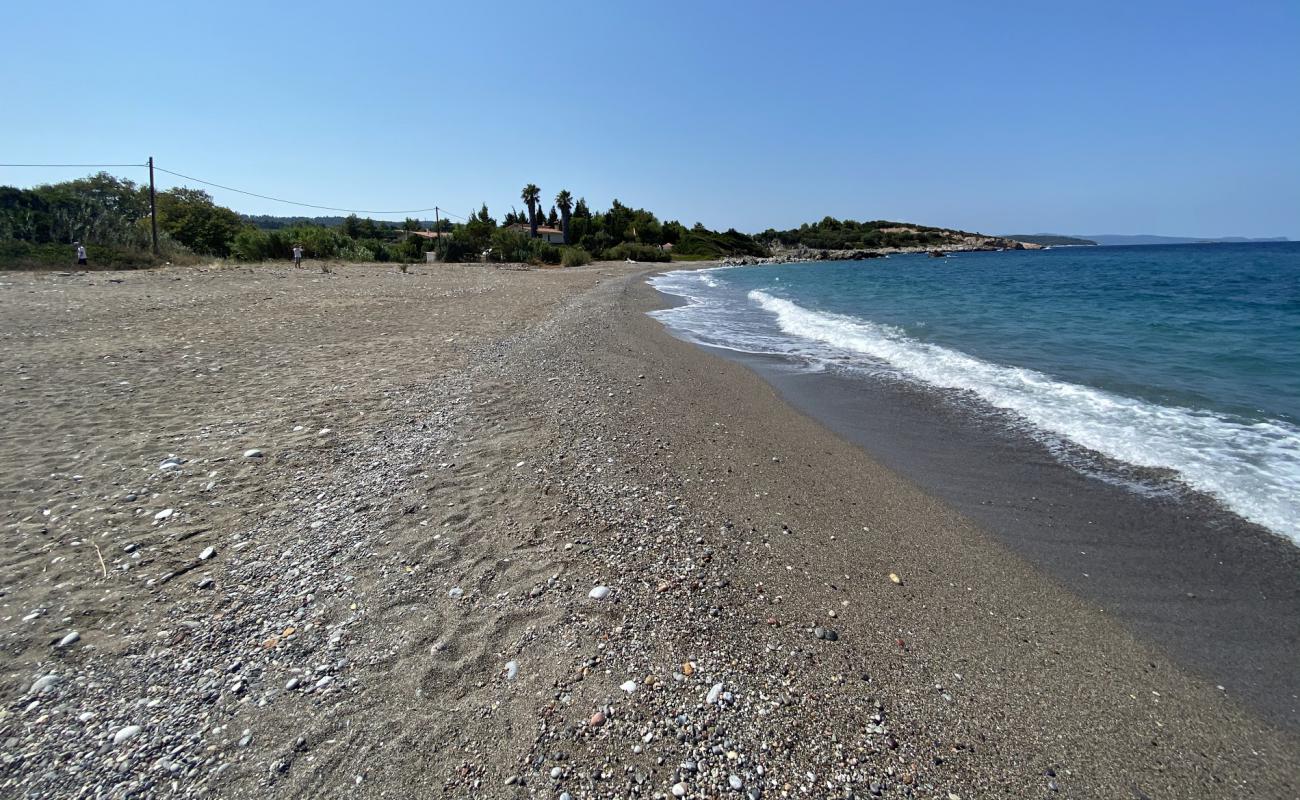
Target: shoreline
1178,568
400,598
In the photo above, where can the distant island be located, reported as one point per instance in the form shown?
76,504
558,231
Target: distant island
1113,239
1052,240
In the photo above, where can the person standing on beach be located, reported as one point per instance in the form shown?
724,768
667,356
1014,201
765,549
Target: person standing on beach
297,255
81,254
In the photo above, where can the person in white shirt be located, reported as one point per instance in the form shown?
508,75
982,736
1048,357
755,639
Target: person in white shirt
297,255
81,254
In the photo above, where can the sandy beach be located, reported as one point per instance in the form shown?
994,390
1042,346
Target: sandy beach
473,532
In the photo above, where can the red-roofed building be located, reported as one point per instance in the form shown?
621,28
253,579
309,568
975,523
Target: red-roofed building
552,235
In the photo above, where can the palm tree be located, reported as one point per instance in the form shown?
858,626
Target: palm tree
564,202
530,195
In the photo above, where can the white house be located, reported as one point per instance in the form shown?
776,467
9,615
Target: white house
552,235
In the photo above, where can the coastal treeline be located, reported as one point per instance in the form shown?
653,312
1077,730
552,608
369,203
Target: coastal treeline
110,216
834,234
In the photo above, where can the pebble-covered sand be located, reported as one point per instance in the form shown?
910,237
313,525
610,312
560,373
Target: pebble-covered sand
469,532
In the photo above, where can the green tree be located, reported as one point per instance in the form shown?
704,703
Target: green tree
564,201
190,217
530,195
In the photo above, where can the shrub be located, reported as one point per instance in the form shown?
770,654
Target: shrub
512,246
575,257
15,254
636,252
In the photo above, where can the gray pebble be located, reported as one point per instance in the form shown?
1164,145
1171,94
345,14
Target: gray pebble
43,683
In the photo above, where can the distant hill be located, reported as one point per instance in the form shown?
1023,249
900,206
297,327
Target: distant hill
1050,239
881,236
1111,239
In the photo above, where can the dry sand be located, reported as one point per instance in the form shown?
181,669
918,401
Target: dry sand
391,598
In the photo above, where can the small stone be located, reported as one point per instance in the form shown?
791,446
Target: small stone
714,693
292,683
324,682
556,772
126,734
736,783
894,577
600,593
512,670
456,593
628,686
597,719
565,796
252,453
164,514
69,640
679,789
208,552
43,683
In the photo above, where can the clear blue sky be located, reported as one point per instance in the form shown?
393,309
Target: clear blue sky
1135,117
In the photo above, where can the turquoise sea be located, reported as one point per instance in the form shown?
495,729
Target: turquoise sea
1179,358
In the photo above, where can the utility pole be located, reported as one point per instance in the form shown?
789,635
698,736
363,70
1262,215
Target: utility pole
437,228
153,208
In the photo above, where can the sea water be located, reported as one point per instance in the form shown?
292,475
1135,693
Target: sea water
1179,358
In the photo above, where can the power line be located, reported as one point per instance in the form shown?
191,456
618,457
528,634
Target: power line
250,194
293,202
73,165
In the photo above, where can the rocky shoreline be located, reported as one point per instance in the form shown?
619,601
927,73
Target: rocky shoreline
803,254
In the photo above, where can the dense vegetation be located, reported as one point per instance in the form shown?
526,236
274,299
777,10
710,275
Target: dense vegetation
834,234
111,216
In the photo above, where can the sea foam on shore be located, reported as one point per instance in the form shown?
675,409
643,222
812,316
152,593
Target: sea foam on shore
1252,467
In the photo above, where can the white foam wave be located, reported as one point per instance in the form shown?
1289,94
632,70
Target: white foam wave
1252,467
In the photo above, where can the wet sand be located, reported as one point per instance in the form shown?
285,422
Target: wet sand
398,597
1219,594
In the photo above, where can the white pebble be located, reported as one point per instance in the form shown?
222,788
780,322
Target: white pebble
126,734
164,514
714,694
600,593
44,683
628,686
252,453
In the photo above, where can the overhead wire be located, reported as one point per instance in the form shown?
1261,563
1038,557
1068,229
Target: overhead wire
438,209
74,165
292,202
